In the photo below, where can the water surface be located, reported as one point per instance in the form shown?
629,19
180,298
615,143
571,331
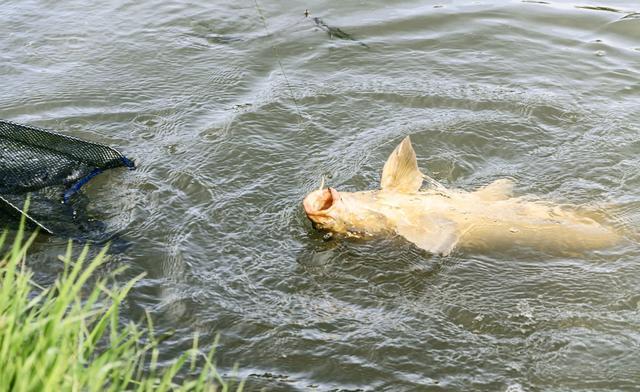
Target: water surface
233,120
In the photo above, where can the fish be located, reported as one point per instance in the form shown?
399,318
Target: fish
440,220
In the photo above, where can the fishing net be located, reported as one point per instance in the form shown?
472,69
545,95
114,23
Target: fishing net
50,168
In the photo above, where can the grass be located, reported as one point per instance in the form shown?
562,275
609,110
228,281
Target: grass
68,337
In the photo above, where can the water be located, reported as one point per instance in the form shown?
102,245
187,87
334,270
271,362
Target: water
546,93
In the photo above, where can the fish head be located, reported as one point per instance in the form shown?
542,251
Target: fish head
325,209
363,214
354,214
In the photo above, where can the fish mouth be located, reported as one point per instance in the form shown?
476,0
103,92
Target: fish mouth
317,203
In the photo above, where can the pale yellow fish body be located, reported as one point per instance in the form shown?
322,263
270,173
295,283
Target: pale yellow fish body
440,220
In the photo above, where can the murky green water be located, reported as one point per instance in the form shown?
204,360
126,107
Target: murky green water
545,93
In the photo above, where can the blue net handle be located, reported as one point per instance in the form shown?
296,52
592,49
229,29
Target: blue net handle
73,189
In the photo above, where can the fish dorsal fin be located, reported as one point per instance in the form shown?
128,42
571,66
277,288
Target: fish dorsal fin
498,190
400,172
435,234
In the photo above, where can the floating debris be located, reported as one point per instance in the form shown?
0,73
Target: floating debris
594,8
270,376
242,107
633,15
334,31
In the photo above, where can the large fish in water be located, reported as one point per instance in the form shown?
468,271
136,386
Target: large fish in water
440,220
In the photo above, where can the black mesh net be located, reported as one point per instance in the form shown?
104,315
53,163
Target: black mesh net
51,168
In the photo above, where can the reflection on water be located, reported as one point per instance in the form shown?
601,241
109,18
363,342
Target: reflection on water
545,93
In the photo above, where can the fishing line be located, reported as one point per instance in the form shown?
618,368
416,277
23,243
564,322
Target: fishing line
274,47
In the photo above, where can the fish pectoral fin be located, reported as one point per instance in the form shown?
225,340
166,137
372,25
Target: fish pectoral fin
435,235
501,189
400,172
